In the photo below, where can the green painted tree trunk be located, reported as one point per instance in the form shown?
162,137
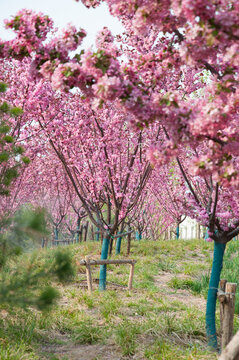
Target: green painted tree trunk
138,235
97,235
212,294
118,244
103,268
56,236
78,229
177,232
206,234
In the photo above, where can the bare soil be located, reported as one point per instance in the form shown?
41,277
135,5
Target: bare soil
185,296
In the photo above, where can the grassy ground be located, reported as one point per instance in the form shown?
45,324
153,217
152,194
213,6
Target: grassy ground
162,318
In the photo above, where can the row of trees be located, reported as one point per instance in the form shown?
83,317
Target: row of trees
154,113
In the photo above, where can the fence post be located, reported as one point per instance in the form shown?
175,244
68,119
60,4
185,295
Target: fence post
221,297
231,352
227,305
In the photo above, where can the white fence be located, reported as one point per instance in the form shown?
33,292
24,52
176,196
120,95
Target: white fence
188,229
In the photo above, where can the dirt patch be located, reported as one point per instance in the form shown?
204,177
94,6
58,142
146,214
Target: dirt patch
82,352
185,296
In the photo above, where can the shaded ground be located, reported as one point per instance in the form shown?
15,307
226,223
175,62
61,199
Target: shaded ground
82,352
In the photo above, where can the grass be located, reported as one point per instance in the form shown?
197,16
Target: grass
87,332
231,267
126,336
197,286
150,322
200,272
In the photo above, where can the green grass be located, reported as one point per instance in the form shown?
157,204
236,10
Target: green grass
109,305
230,270
143,323
197,286
199,283
86,332
126,335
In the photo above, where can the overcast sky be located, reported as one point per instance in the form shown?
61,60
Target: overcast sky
63,12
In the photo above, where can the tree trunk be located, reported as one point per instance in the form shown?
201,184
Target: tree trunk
111,246
92,233
56,236
104,256
78,229
138,235
177,232
206,234
212,294
86,230
81,233
97,235
118,244
129,243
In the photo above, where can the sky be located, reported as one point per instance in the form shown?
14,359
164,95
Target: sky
63,12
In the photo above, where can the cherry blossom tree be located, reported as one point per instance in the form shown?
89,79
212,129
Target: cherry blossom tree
107,173
74,217
169,49
149,218
214,206
169,193
52,192
155,80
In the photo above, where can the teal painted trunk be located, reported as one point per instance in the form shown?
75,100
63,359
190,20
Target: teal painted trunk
138,235
103,268
206,234
97,235
177,232
56,236
78,230
118,245
212,294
